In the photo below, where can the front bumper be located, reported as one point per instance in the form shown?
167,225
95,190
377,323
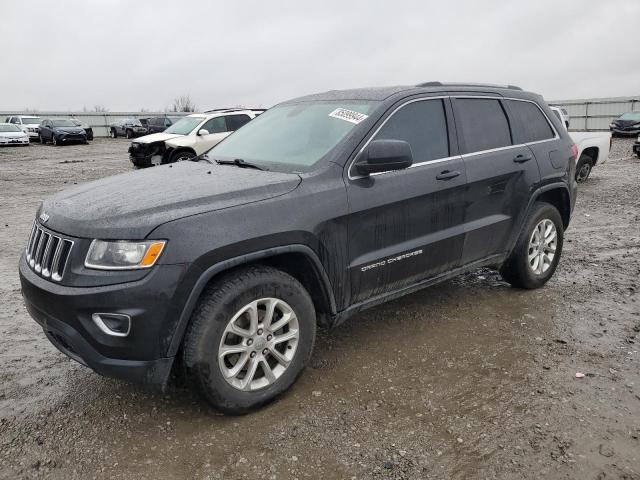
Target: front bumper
71,137
14,141
64,313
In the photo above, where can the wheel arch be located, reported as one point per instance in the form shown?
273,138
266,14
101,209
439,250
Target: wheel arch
177,150
299,261
591,152
558,196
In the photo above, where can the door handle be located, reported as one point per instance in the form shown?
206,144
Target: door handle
447,175
522,158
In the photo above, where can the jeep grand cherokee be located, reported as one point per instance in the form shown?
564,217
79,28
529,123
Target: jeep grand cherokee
319,208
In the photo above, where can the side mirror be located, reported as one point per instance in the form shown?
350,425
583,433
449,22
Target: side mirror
384,156
202,132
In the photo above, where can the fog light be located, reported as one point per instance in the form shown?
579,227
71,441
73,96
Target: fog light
114,324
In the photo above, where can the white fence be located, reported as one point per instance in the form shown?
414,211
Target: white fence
99,121
597,113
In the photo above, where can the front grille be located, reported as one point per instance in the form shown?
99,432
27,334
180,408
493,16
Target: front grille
47,254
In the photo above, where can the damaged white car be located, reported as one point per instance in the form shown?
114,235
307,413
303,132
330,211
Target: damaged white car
188,137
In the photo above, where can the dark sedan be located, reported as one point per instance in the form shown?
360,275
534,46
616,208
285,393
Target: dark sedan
60,131
628,124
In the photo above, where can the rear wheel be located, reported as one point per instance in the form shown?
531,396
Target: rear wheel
113,133
583,169
41,138
538,248
249,339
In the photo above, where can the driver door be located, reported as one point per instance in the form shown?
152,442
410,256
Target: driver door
217,128
408,225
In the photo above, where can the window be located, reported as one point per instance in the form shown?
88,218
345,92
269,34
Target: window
234,122
483,123
533,123
14,120
423,125
215,125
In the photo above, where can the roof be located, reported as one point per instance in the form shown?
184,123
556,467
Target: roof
382,93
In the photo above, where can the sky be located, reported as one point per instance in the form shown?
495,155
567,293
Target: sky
132,55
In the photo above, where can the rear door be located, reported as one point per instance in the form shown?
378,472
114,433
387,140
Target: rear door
407,225
500,173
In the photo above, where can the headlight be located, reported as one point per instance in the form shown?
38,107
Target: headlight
123,254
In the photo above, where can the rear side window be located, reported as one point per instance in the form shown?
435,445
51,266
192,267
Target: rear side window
234,122
423,125
483,123
533,124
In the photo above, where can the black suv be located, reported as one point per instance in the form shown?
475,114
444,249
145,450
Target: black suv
319,208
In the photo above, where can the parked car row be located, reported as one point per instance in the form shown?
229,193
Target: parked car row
58,131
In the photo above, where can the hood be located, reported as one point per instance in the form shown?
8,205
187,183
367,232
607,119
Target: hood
157,137
13,134
625,123
69,129
131,205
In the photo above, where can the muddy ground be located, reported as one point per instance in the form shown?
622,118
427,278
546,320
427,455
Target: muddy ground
468,379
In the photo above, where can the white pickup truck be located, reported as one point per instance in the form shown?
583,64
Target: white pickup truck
593,147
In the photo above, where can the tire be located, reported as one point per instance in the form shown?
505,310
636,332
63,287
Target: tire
583,168
41,138
182,156
113,133
129,134
54,140
208,332
518,270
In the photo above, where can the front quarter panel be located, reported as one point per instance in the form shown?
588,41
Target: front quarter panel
314,215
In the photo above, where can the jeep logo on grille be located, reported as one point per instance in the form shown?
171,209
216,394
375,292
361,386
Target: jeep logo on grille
44,217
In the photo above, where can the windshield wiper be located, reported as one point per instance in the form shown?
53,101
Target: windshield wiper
239,163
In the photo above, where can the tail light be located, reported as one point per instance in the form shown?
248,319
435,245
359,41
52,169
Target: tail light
574,152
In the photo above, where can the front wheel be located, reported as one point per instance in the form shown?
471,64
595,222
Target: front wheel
54,140
538,248
583,169
129,134
182,156
41,138
113,133
250,337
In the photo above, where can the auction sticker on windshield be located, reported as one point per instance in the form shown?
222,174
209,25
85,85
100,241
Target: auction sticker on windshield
348,115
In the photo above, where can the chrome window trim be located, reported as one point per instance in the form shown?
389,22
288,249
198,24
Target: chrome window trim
377,130
556,136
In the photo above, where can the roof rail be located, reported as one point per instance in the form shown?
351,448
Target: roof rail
440,84
233,109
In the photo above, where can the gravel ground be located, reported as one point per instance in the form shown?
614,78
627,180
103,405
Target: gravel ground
468,379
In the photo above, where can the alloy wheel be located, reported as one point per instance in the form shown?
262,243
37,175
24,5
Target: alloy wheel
542,246
583,174
258,344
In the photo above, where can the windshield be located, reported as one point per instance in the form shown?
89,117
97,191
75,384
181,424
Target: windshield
63,123
184,126
293,136
9,128
31,120
631,116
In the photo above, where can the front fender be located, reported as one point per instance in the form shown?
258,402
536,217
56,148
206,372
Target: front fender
199,278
